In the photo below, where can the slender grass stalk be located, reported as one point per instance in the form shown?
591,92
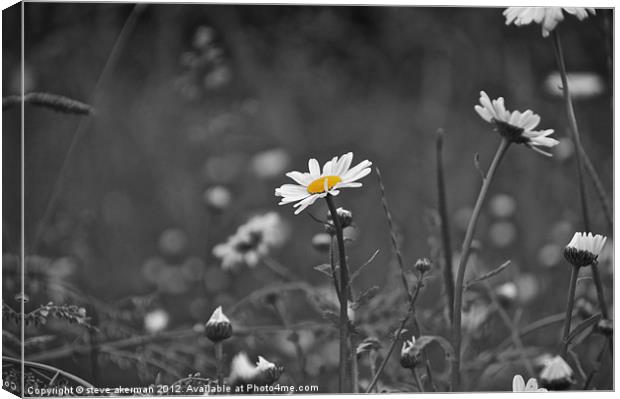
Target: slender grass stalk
442,206
373,367
469,236
343,298
219,362
581,157
570,303
354,367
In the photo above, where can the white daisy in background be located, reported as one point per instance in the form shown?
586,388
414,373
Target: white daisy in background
252,241
547,17
518,385
336,174
584,249
156,320
516,126
409,358
242,371
557,375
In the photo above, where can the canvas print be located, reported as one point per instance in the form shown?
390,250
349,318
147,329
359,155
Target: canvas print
299,199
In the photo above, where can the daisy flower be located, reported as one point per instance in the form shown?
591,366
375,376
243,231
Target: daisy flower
584,249
547,17
244,372
557,374
518,385
408,357
516,126
311,186
252,241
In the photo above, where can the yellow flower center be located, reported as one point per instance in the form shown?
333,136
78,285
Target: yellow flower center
318,186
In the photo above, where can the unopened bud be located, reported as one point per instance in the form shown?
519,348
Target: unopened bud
423,265
344,216
218,328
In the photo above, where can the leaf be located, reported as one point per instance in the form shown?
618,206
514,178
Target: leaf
425,340
365,297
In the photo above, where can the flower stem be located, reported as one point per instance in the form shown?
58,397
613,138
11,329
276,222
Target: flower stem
445,233
559,55
418,381
219,354
469,236
343,297
570,303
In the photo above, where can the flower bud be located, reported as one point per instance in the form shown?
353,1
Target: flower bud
409,358
344,216
322,242
423,265
218,328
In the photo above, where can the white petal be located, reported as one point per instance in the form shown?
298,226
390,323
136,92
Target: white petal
484,113
314,168
355,170
305,203
518,385
344,164
301,178
532,385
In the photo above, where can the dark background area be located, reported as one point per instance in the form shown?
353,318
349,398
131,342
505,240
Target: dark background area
307,82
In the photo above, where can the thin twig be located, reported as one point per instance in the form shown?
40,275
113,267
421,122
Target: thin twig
570,303
488,275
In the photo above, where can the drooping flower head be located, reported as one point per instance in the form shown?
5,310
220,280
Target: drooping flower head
409,357
557,375
252,241
243,372
584,249
516,126
316,184
218,328
547,17
518,385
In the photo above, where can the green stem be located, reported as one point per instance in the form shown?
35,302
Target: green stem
445,232
219,354
570,303
469,236
344,283
418,381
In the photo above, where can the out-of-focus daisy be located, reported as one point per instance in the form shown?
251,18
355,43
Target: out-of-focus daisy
252,241
582,84
270,163
518,385
156,321
515,126
311,186
244,372
217,197
557,375
547,17
584,249
507,293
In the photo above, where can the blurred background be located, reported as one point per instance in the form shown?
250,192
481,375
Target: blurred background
200,110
